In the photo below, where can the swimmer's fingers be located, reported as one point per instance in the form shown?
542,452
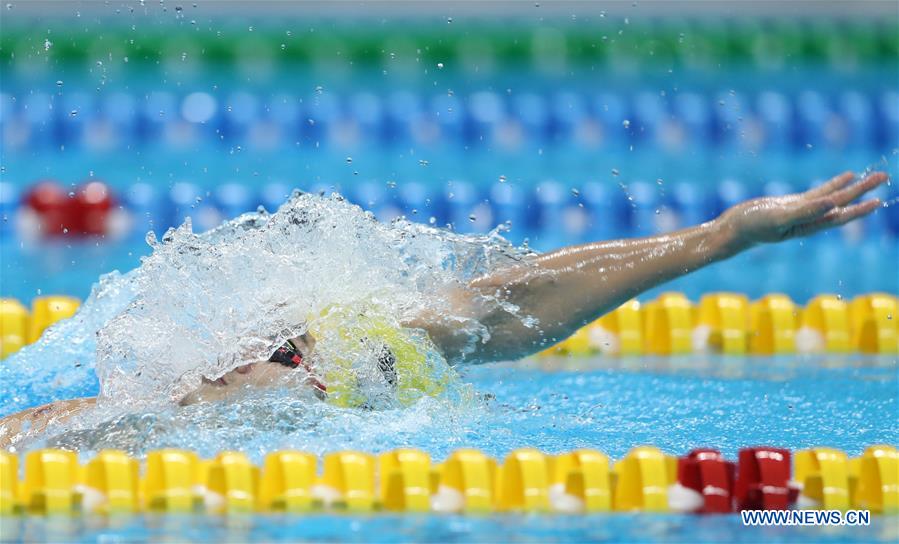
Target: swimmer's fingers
839,216
848,194
828,201
836,182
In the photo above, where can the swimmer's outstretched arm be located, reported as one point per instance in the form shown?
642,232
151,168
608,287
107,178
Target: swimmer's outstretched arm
572,286
34,420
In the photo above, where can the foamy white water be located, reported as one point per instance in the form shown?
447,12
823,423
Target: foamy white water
202,304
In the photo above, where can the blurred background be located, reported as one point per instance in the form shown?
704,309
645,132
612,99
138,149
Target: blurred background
564,121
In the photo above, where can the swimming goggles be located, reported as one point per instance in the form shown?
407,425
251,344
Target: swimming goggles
289,355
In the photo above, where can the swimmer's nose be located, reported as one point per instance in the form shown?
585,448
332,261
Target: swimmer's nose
245,369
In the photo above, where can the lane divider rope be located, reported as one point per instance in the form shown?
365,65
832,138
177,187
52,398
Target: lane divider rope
671,324
406,480
730,323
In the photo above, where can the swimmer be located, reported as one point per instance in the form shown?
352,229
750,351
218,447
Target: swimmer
564,289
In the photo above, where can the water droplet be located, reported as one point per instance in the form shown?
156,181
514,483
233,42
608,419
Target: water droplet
502,179
73,113
349,160
660,181
391,184
808,146
47,44
440,65
658,211
575,192
65,230
615,172
423,162
432,220
626,123
472,218
59,83
449,20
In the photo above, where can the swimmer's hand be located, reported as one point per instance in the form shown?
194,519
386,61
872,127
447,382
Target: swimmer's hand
774,219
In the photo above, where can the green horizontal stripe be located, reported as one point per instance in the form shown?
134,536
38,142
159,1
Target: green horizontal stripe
692,42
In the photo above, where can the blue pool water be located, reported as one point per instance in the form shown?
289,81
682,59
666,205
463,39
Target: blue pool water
555,405
418,528
558,405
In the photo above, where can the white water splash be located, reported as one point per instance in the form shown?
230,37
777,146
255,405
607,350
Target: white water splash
202,304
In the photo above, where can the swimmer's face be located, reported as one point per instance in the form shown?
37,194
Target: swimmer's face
258,374
262,374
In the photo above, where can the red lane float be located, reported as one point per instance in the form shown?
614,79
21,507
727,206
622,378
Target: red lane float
84,212
763,476
50,203
705,471
93,202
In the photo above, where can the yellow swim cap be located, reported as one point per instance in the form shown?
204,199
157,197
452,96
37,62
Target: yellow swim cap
351,341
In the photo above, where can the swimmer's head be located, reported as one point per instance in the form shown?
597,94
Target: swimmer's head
291,365
287,366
